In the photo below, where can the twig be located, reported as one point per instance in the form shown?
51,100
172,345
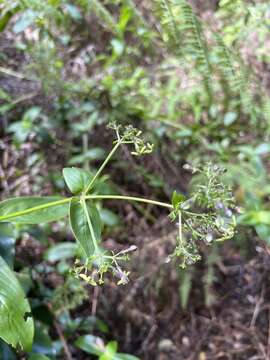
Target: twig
14,73
257,309
63,340
268,342
24,98
61,336
95,301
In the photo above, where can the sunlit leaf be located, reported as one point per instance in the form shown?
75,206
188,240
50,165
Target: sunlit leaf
6,352
38,357
7,243
80,226
255,218
76,179
109,218
16,324
62,251
90,344
39,209
26,19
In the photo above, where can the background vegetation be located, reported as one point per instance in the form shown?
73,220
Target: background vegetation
194,77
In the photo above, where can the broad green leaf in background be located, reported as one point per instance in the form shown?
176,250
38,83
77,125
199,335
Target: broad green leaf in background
95,346
109,218
73,12
38,357
41,214
262,149
122,356
23,128
80,227
25,279
61,251
90,344
255,218
6,352
185,286
7,15
3,94
263,232
230,118
7,243
90,155
177,198
26,19
110,351
76,179
43,344
16,323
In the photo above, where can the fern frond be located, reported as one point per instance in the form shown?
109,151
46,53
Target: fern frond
168,21
106,19
225,61
266,109
194,39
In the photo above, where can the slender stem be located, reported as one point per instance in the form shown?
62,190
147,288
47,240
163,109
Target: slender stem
102,166
180,228
128,198
35,208
97,197
194,231
90,224
193,214
13,73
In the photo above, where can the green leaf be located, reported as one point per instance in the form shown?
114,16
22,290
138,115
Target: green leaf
109,218
177,199
31,114
3,94
121,356
25,279
255,218
229,118
76,179
263,232
73,12
262,149
80,226
36,356
38,209
90,344
6,352
185,286
61,251
43,343
27,18
7,243
90,155
110,351
16,326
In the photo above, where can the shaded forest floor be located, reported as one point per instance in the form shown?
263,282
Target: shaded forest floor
227,315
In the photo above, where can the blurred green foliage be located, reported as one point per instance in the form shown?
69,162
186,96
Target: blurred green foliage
195,84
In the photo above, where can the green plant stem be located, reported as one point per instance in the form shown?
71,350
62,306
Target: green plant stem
119,142
193,214
93,197
90,224
128,198
180,228
35,208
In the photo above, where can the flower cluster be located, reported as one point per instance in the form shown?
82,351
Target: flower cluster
130,135
92,270
207,216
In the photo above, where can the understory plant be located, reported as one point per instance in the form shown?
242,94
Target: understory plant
206,216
